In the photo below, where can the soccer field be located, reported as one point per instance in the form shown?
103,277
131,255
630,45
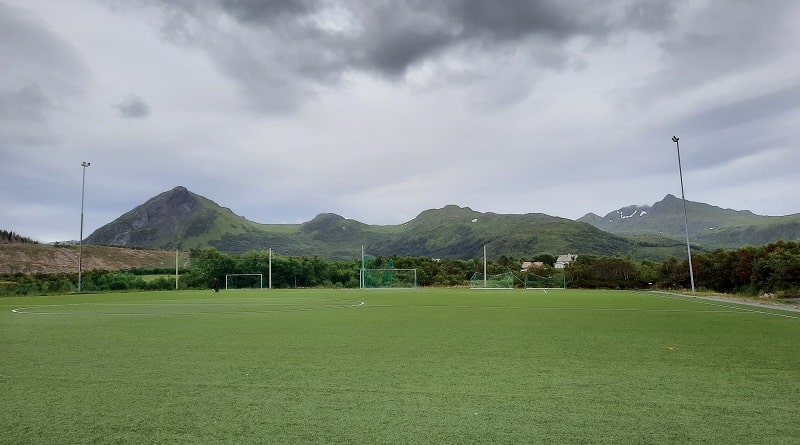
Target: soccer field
424,366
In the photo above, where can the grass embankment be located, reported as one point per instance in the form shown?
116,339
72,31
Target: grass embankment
49,259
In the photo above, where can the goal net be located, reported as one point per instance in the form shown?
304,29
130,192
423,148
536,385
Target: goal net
244,281
388,278
556,281
480,280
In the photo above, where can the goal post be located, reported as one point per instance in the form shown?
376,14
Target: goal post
388,278
481,280
244,281
555,281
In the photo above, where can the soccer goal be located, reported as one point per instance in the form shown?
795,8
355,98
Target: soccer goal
388,278
480,280
244,281
556,281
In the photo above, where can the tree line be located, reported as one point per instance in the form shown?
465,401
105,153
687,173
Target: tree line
773,268
9,237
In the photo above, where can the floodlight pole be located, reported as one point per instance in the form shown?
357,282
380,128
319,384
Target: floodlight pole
176,268
485,277
685,218
80,240
361,272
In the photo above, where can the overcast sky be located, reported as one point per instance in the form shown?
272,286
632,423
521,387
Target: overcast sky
378,110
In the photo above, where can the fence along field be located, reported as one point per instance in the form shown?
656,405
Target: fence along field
396,366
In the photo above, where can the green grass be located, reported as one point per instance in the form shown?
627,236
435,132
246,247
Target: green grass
404,367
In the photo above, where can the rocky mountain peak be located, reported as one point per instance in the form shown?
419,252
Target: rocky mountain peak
162,217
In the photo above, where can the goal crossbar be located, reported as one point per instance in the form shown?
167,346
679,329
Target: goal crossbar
497,281
229,276
557,281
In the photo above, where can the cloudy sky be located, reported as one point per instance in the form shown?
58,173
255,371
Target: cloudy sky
378,110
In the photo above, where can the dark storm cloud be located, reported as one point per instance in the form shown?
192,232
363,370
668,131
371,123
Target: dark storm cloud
259,11
133,107
392,36
306,45
391,40
517,19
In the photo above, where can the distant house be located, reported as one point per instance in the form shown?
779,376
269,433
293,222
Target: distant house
564,260
531,265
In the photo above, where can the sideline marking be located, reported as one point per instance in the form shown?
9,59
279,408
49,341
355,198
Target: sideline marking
741,307
552,308
178,304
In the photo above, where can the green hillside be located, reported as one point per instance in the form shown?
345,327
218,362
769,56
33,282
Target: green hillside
451,232
181,219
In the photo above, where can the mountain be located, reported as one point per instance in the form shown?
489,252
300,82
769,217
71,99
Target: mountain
181,219
171,219
462,232
709,226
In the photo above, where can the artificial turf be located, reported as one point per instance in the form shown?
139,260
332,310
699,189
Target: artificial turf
396,366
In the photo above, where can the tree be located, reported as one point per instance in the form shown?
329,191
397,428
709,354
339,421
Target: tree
212,263
546,258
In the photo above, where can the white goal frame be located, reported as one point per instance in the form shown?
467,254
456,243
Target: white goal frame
259,275
480,280
562,282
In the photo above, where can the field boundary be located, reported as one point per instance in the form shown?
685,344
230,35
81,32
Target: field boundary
731,304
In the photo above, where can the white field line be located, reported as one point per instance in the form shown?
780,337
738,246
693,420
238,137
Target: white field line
740,307
555,308
283,307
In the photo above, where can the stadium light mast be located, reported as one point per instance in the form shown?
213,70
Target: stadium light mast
80,240
685,218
